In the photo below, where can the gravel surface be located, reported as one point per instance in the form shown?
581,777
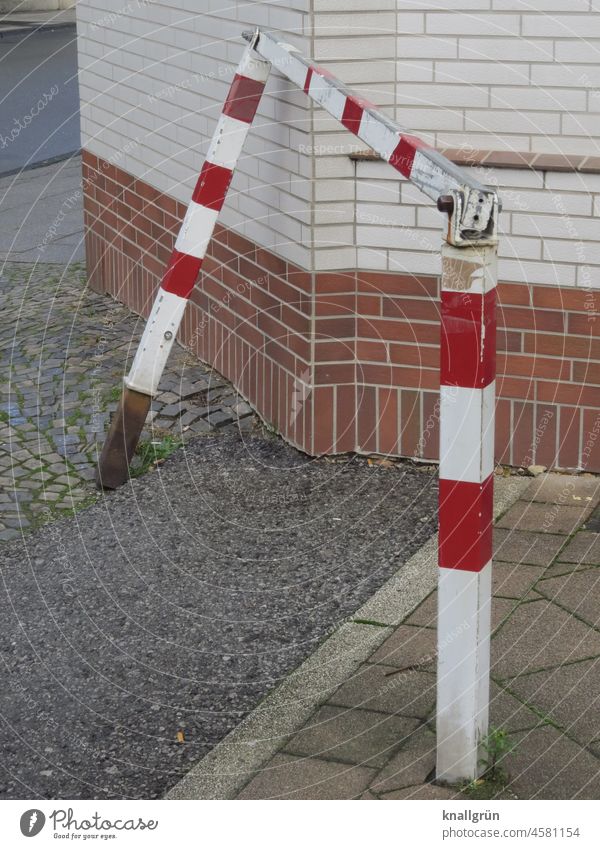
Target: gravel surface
137,634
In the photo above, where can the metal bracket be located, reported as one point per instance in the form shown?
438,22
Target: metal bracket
472,216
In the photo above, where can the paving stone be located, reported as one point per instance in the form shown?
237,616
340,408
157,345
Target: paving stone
408,646
538,635
352,736
514,580
426,612
547,765
564,489
219,418
422,791
510,714
384,688
569,695
578,592
288,777
583,548
543,518
413,764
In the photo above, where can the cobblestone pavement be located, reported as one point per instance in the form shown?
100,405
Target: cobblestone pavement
375,737
63,354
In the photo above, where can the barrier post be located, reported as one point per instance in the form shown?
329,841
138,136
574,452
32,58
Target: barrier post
467,399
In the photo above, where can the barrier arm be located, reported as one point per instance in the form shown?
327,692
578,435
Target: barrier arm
467,380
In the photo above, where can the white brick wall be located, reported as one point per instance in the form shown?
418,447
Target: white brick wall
153,78
495,74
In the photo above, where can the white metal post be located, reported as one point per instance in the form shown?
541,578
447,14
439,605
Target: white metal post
467,398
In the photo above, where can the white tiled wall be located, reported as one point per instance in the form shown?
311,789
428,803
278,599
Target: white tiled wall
153,79
493,74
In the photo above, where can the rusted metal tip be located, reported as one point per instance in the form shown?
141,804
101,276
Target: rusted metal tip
445,203
122,439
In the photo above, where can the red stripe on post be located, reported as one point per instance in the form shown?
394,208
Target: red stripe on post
465,537
212,186
181,274
468,339
403,156
243,98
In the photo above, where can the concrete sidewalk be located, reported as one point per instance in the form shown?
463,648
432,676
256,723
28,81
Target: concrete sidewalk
372,735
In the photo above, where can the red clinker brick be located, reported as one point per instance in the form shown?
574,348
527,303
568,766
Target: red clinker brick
514,387
410,411
345,405
264,302
270,261
334,351
508,340
397,331
562,346
224,255
133,201
368,305
242,246
587,371
514,293
299,345
526,319
415,355
590,442
368,351
327,282
281,355
253,272
336,328
389,420
554,298
335,373
523,448
145,190
323,420
333,304
366,399
272,328
295,320
288,294
546,419
407,309
503,431
250,334
387,283
585,325
430,432
568,438
89,158
299,278
523,365
567,393
386,375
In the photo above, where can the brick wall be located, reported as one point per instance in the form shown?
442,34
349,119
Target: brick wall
348,361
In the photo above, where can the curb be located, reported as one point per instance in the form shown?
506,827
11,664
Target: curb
227,768
22,30
43,163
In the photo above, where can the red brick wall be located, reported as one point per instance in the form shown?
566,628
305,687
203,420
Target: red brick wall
348,361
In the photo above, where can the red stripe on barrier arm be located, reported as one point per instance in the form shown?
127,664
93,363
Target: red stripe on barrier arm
309,74
468,339
181,274
212,186
465,536
243,98
403,156
353,112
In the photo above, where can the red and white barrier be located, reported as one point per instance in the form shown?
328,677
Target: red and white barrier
467,398
199,222
467,367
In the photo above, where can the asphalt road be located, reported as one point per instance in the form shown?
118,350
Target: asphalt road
39,97
172,606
